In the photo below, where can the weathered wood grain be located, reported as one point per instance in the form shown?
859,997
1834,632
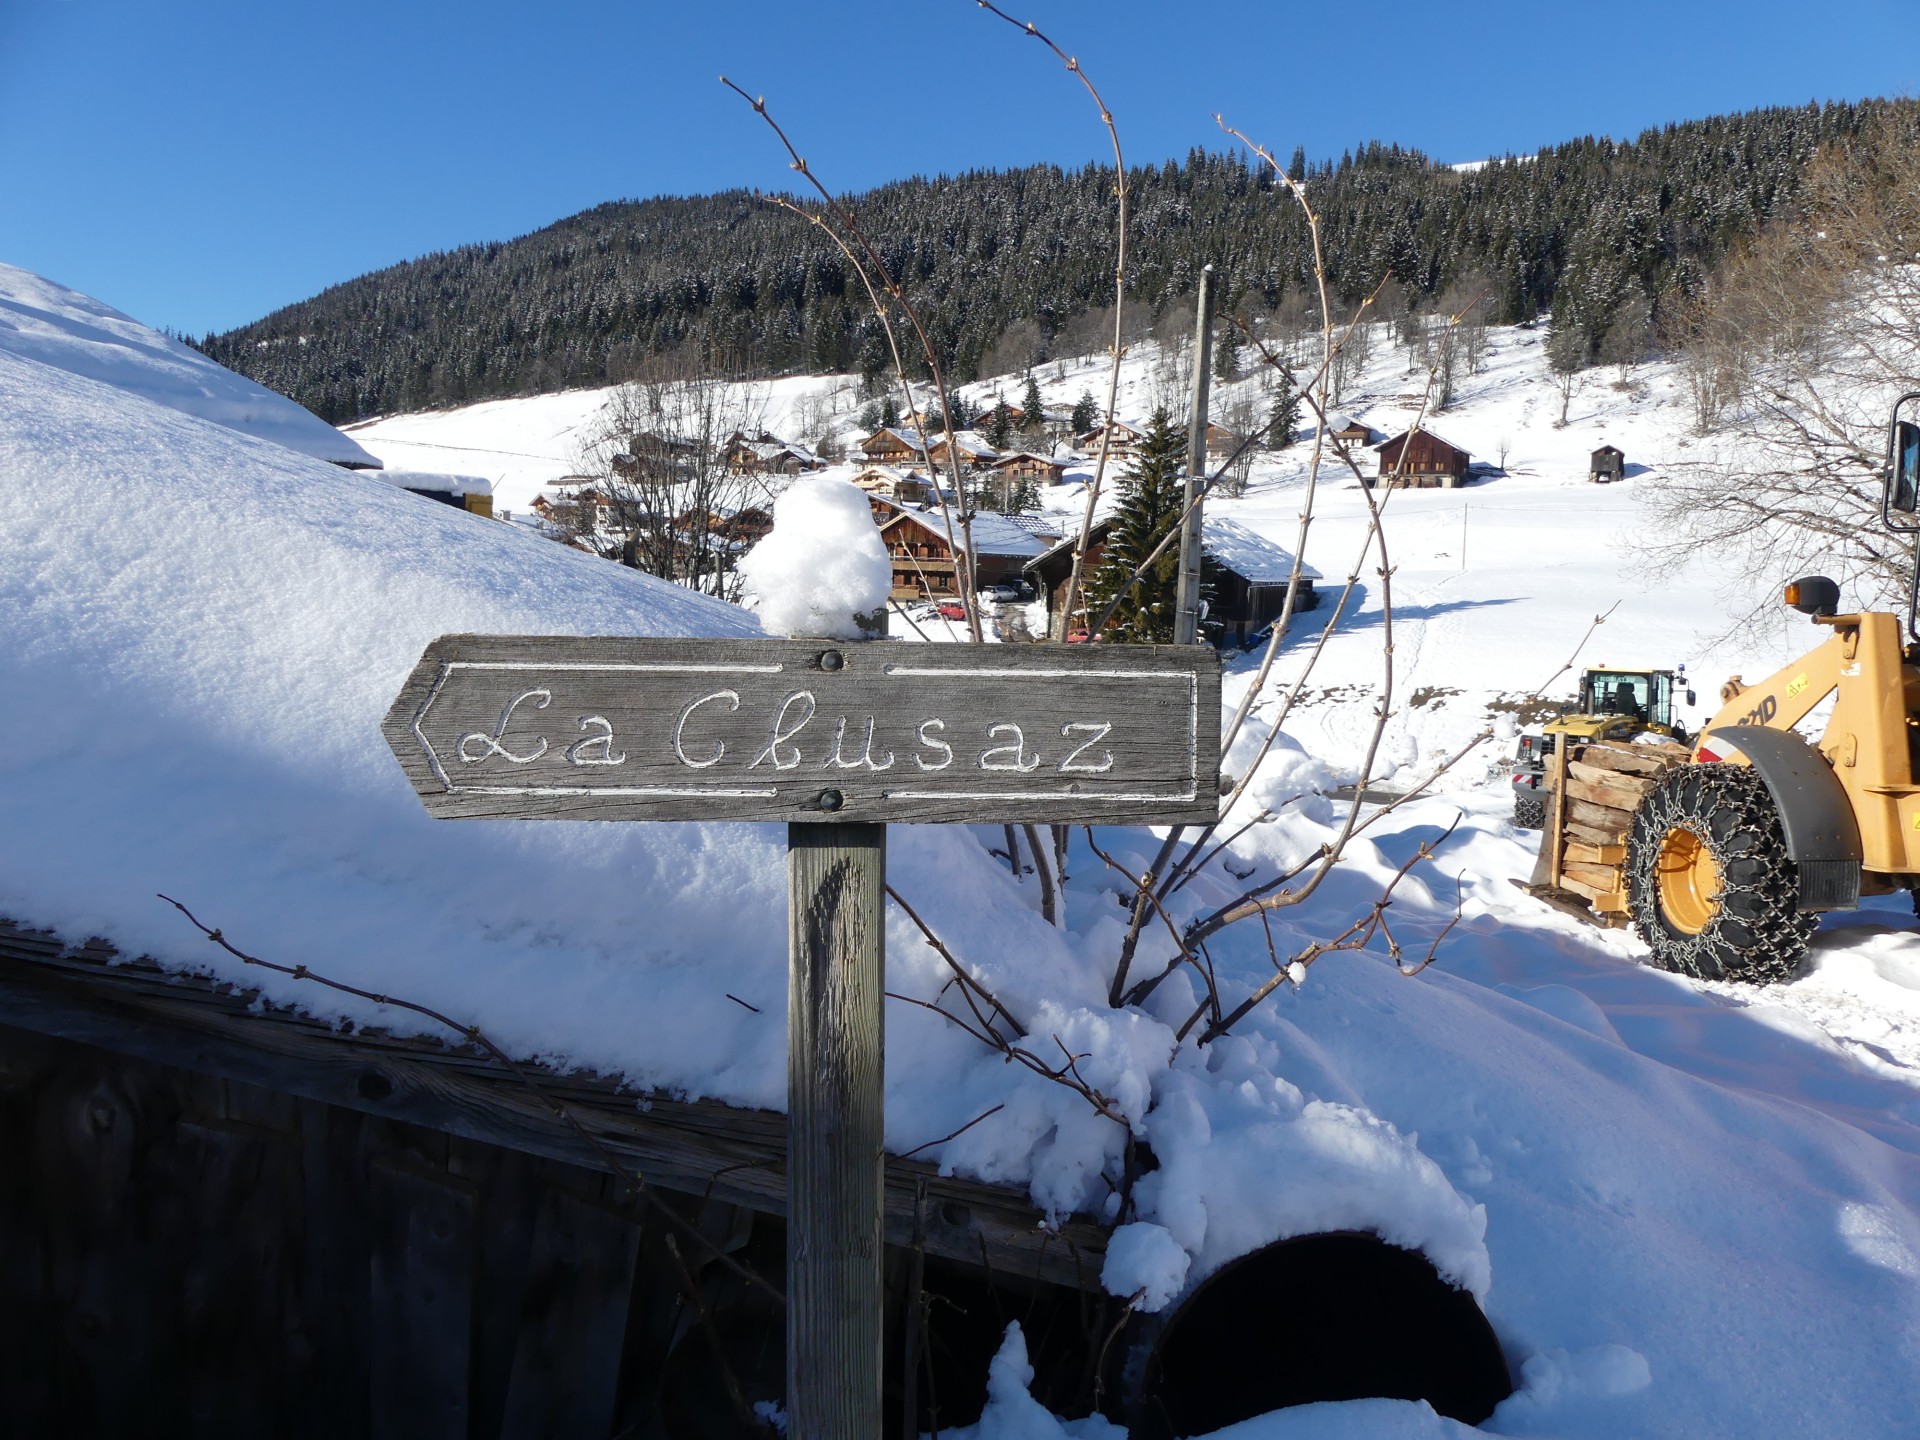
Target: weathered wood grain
566,1366
836,1125
92,994
573,728
422,1304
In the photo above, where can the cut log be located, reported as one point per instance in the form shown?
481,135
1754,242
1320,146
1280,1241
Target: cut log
1580,853
1592,838
1602,877
1613,797
1654,760
1634,785
1606,900
1610,821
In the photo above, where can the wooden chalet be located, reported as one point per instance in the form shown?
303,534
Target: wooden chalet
1349,431
925,564
1221,442
1124,439
968,447
891,446
1025,465
1609,462
904,487
769,455
1420,459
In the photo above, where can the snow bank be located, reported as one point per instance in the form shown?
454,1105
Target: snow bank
56,326
1687,1210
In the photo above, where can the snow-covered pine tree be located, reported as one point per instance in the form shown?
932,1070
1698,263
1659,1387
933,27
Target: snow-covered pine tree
1149,508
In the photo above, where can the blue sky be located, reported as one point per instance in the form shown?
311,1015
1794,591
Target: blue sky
199,162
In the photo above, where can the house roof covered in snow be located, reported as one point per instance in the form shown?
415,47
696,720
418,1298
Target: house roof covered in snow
47,322
1254,558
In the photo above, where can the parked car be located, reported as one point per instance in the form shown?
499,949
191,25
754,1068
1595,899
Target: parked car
951,610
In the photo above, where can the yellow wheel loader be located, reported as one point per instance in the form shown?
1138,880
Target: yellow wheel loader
1614,704
1723,856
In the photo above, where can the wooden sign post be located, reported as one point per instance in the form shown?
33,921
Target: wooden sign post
839,740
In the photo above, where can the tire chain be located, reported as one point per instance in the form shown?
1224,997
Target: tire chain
1758,933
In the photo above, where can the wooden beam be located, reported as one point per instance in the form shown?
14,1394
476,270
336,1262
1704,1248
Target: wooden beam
93,995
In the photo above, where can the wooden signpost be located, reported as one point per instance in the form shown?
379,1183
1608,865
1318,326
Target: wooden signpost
840,740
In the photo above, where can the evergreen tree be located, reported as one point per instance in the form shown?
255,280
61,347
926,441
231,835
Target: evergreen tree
1226,352
1085,414
1000,426
1286,416
1297,167
889,416
1149,508
1030,406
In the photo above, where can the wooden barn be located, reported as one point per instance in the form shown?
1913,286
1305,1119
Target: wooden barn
1420,459
1349,431
1249,577
1609,462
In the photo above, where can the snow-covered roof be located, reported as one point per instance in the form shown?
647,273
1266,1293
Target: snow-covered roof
48,323
440,484
995,534
1426,430
1254,558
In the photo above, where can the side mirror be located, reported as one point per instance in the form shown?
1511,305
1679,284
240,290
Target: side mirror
1900,505
1692,699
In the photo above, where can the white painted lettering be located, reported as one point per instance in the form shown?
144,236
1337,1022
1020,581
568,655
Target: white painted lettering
1010,756
491,744
783,733
732,697
863,761
597,747
933,743
1073,763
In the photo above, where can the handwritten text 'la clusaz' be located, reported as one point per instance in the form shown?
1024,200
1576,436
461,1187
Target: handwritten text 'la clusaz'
790,739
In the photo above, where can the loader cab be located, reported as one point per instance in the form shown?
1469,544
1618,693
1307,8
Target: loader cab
1645,696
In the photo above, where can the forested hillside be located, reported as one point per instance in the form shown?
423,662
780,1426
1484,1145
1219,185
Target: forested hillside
1012,267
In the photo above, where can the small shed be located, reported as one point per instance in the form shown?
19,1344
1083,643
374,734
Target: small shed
1421,459
1349,431
1250,576
1609,462
464,492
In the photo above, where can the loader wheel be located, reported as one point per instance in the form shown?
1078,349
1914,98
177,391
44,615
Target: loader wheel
1529,812
1712,891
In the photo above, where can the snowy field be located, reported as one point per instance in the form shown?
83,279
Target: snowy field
1688,1210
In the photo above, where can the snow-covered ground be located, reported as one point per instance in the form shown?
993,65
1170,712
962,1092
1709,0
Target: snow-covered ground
1687,1209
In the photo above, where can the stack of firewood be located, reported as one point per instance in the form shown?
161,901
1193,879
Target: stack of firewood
1605,783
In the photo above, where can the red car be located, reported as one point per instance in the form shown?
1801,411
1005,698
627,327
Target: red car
951,610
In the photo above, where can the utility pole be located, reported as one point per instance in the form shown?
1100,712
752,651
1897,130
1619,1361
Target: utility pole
1186,620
